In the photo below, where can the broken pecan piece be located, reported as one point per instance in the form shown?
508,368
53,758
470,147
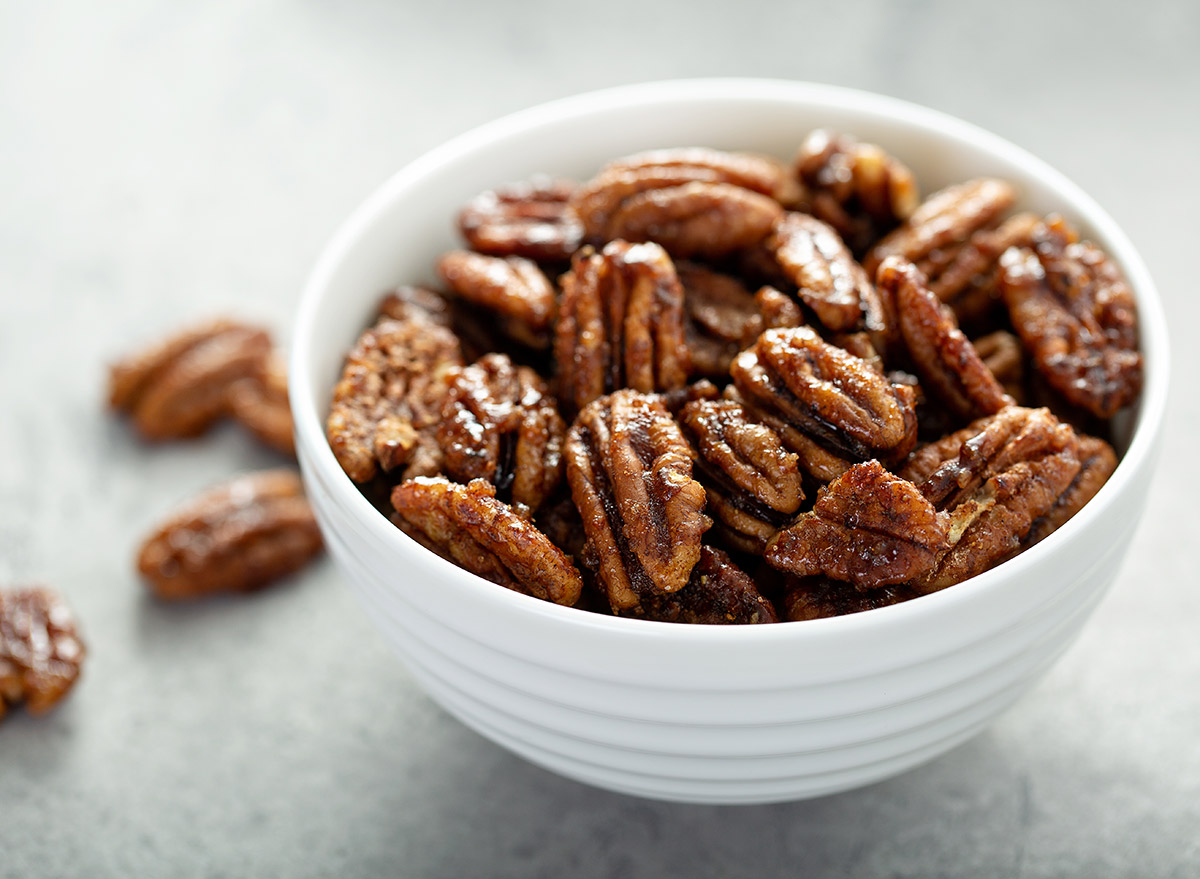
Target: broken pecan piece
40,651
467,525
718,593
1097,463
814,598
512,288
236,537
630,472
868,527
260,404
500,424
621,324
530,219
1077,317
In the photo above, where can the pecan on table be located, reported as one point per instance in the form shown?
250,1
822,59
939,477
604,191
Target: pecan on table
839,409
467,525
946,360
718,593
260,403
1076,315
630,472
827,278
388,402
855,187
512,288
236,537
868,527
621,324
40,651
530,219
815,598
753,482
1097,462
723,318
180,387
499,423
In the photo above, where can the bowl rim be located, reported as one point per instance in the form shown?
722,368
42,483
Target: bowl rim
319,463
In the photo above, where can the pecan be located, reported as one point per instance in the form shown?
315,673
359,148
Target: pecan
630,472
530,219
500,424
753,482
415,303
386,406
621,324
828,279
260,403
1077,317
1097,462
944,357
855,187
718,593
180,387
1001,354
467,525
512,288
834,400
723,317
778,310
40,651
814,598
236,537
868,527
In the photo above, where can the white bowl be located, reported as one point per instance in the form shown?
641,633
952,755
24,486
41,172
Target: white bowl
705,713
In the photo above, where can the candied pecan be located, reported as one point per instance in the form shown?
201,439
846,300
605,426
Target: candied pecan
868,527
1077,317
1097,463
630,472
415,303
829,281
945,358
40,651
386,406
718,593
844,408
559,519
723,317
260,404
1001,354
753,482
180,387
814,598
499,423
778,310
855,187
530,219
621,324
512,288
236,537
467,525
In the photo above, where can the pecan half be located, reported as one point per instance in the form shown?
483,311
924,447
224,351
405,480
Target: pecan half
718,593
855,187
630,472
1097,462
512,288
260,403
530,219
814,598
723,318
621,324
180,387
1001,354
944,357
778,310
868,527
499,423
1077,317
467,525
40,651
753,482
236,537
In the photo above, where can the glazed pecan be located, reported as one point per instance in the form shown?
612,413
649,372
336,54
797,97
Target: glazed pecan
415,303
1097,462
467,525
752,480
621,324
814,598
944,357
236,537
386,406
630,472
855,187
500,424
828,279
840,409
723,317
868,528
40,651
718,593
778,310
1001,354
180,387
260,403
1077,317
512,288
530,219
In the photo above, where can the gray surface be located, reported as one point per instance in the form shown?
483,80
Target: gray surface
160,162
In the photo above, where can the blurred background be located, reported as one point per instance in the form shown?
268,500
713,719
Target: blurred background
161,162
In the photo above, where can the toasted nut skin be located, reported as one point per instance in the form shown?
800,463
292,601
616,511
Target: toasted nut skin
531,219
40,651
718,593
814,598
260,403
467,525
237,537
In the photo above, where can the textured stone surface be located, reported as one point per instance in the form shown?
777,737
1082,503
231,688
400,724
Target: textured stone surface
161,162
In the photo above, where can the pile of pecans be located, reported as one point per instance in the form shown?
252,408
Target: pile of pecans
710,387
